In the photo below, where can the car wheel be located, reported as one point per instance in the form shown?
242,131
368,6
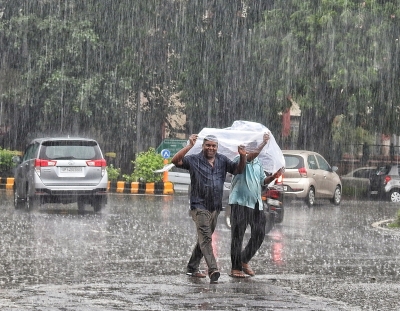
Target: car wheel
17,200
337,196
395,196
270,221
279,216
30,203
81,205
310,199
98,204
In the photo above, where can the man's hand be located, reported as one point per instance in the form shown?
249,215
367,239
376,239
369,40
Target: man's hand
265,138
177,158
252,155
193,139
242,150
279,172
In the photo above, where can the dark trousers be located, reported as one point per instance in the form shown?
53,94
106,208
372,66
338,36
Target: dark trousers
205,224
241,217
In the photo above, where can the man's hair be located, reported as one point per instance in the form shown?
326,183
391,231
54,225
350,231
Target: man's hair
211,138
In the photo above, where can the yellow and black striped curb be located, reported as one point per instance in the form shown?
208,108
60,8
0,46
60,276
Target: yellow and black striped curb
119,186
6,182
142,187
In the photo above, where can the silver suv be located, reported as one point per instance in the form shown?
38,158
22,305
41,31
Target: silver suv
61,170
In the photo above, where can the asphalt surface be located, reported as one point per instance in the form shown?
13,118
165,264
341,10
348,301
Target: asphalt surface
133,257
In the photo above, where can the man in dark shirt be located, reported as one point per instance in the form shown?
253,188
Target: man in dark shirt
207,174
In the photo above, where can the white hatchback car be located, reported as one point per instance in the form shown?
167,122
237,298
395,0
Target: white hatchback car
308,176
180,178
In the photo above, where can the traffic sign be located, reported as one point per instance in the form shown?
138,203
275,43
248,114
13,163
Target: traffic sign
165,153
173,145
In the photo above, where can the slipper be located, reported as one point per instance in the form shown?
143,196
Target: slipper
237,274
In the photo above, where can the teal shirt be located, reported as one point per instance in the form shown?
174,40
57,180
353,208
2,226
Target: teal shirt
246,187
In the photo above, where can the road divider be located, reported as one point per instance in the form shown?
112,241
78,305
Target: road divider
6,182
141,187
119,186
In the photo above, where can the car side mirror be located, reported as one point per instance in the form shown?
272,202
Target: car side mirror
16,159
334,168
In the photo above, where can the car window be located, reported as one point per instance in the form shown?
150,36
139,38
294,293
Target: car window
30,152
363,173
312,162
293,161
360,174
83,150
382,170
323,165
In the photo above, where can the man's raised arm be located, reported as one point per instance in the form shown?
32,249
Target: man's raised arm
252,155
242,160
177,158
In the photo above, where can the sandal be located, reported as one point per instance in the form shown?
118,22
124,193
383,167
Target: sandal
237,274
247,269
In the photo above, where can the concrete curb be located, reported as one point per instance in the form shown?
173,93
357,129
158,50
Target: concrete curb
380,225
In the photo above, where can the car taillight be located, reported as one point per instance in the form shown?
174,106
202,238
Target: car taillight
274,194
303,172
43,163
386,180
98,163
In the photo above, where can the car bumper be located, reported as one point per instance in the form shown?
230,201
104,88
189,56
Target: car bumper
294,191
69,192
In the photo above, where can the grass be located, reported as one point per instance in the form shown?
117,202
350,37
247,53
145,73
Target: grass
396,222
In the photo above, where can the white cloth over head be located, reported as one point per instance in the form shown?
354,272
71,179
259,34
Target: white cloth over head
247,133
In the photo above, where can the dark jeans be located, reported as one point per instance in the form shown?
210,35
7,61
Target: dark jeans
205,224
241,217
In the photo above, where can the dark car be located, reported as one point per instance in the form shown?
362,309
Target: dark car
385,183
61,170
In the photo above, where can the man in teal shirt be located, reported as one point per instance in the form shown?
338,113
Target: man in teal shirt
247,209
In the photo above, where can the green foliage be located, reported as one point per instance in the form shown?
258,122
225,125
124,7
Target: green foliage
353,192
145,165
78,65
6,163
113,173
396,222
346,134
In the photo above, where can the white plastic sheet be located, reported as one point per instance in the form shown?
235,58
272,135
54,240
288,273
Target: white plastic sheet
245,133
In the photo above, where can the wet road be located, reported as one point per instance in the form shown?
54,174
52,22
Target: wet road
133,256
